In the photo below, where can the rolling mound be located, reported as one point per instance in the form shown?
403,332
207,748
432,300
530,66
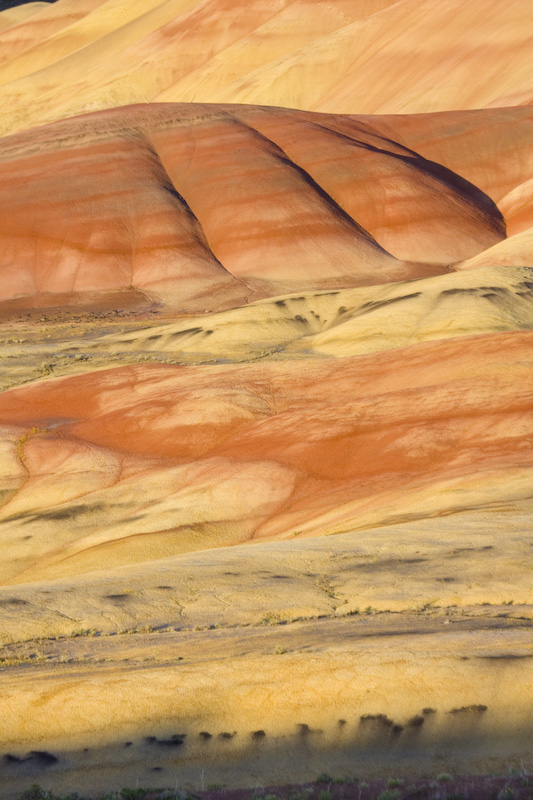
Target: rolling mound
210,206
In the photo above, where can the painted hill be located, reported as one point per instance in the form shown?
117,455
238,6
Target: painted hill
206,207
266,344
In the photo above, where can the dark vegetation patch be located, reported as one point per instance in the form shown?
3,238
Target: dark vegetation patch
11,759
43,757
14,601
374,305
191,331
381,721
482,291
384,564
459,551
68,513
40,758
176,740
474,709
304,730
117,597
506,657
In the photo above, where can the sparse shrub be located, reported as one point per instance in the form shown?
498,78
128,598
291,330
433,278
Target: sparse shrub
444,777
324,778
33,792
413,790
84,632
279,650
392,783
324,795
133,794
390,794
506,794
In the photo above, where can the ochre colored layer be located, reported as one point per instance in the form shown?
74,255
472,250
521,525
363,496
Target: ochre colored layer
137,463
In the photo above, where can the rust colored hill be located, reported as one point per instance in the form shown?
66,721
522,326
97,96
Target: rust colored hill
210,206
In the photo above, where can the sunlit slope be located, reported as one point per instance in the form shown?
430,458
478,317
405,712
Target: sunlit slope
343,57
50,20
517,208
413,57
138,463
202,207
107,58
95,23
10,17
517,249
453,560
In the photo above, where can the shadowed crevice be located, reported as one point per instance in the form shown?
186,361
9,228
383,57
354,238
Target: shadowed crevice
168,186
308,179
468,191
